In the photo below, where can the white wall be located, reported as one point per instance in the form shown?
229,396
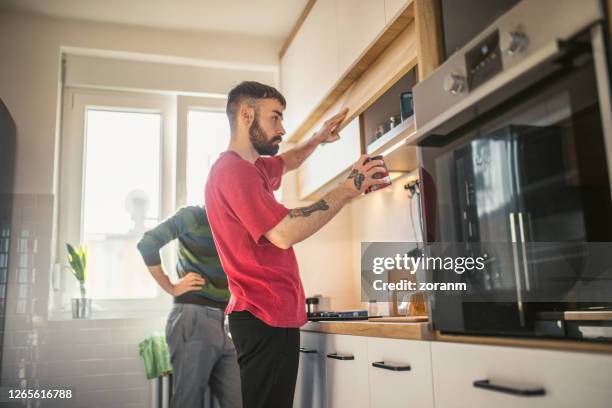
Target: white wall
153,76
97,359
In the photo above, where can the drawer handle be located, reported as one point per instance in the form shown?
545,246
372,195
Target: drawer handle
522,392
336,356
307,351
381,364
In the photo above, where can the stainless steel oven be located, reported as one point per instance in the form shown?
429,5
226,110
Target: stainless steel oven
515,142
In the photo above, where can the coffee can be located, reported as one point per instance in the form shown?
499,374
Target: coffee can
380,175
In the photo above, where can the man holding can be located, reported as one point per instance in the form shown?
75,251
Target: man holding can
255,234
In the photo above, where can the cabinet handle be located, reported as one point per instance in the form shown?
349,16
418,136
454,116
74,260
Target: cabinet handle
336,356
521,392
524,251
517,269
381,364
307,351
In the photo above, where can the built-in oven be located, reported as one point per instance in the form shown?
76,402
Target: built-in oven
514,133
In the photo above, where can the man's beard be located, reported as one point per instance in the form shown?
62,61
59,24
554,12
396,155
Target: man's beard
258,139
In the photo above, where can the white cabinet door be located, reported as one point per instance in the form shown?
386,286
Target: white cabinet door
567,379
359,22
293,81
392,7
330,160
399,373
347,371
310,65
310,385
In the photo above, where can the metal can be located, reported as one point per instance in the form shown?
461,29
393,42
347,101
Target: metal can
380,175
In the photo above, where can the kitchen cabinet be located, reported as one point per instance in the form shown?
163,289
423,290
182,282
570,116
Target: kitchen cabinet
393,64
330,160
310,386
309,66
337,370
346,366
392,7
337,42
566,379
359,22
402,375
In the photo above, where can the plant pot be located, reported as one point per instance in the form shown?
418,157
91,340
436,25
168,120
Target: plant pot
81,308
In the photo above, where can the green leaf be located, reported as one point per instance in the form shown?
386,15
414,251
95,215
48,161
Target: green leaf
77,258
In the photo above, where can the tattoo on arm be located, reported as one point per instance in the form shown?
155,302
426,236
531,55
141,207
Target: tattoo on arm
320,205
357,178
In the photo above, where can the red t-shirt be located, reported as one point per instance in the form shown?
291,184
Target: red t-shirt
241,208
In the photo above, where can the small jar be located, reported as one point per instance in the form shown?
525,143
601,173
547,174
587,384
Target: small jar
372,308
392,122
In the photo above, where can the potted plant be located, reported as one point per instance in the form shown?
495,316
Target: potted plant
77,258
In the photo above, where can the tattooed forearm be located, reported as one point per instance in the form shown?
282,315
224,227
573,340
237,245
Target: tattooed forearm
357,178
298,155
320,205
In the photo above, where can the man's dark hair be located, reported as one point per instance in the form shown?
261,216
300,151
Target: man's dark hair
249,92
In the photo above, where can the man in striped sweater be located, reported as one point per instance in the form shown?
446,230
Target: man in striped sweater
201,352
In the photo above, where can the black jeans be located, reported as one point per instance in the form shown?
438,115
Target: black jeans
268,358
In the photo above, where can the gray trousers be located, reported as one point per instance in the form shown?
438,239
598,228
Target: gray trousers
202,355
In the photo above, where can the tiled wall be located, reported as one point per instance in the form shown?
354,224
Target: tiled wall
97,359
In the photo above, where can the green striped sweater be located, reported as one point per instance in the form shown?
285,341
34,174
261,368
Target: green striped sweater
196,253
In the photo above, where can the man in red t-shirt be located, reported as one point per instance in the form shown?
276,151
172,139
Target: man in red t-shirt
255,234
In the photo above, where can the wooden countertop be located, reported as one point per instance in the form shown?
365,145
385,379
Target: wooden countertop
420,331
539,343
372,328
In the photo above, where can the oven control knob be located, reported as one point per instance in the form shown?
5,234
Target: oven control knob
454,84
515,42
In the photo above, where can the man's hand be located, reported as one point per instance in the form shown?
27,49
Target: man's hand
294,158
329,131
360,177
190,282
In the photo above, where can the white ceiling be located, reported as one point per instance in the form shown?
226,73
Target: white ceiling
272,18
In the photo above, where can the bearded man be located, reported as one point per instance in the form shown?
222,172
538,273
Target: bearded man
255,234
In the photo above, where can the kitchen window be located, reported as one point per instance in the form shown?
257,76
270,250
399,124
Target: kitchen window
203,133
207,136
121,198
126,162
116,180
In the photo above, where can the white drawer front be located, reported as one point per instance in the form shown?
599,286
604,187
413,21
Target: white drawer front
568,379
310,384
347,373
390,388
